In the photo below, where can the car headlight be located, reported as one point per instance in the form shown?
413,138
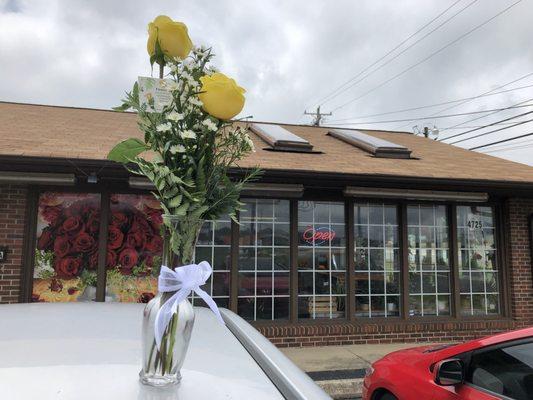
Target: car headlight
369,371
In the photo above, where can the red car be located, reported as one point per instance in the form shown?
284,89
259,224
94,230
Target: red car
495,367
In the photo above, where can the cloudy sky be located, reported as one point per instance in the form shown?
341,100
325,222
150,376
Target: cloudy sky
293,55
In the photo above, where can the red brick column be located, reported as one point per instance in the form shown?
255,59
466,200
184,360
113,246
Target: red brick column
519,239
12,223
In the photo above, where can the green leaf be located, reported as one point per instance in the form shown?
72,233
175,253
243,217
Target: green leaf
123,107
198,212
200,175
172,192
135,91
127,150
181,210
175,202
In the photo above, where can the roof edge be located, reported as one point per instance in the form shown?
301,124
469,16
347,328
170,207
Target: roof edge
114,169
244,120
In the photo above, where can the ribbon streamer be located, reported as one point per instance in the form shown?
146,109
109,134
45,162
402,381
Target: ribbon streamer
182,280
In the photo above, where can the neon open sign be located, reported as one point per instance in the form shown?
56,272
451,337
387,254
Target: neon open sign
318,235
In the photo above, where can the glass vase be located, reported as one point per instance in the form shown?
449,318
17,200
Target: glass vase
161,367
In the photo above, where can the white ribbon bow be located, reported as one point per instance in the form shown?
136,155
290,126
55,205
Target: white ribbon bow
183,281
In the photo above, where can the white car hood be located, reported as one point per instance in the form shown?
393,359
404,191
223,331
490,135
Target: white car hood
93,351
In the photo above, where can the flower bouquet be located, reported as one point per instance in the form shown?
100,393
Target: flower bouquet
189,145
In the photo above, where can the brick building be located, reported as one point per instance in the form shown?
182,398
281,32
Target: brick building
350,236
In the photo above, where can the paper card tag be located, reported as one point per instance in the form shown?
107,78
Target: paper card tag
156,89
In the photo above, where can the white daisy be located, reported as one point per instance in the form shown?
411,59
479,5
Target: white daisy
196,101
164,127
250,143
187,76
188,134
209,124
194,84
174,116
177,149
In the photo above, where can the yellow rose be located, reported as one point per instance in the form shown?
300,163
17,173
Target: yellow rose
221,96
172,36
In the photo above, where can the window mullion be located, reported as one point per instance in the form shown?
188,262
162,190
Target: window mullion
350,260
293,257
234,267
102,246
404,246
454,261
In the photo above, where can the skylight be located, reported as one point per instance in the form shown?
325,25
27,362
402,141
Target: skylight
281,139
378,147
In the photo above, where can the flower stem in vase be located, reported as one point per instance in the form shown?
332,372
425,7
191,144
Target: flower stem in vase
161,366
172,338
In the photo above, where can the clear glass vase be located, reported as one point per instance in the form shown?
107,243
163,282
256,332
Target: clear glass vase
161,367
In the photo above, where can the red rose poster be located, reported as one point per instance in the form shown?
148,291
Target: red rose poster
66,256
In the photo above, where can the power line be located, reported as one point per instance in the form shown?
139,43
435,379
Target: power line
428,57
478,96
501,141
389,52
493,131
436,116
478,126
485,116
333,95
487,126
510,148
433,105
519,145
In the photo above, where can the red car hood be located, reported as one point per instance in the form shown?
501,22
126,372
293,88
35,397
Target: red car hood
433,353
412,352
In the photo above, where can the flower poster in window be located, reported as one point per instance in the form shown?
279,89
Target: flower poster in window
66,254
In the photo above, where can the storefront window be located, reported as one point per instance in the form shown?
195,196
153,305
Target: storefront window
134,247
67,243
377,262
66,255
478,269
321,260
214,246
429,260
264,262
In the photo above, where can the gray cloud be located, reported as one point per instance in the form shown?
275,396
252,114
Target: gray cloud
287,54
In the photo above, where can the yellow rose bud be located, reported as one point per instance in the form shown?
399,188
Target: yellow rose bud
172,36
221,96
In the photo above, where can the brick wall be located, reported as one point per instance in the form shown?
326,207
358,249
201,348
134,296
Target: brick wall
12,222
521,283
319,334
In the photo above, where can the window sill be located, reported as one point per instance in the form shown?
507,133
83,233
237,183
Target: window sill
381,321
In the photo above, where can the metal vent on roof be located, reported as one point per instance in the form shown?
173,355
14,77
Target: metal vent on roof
281,139
378,147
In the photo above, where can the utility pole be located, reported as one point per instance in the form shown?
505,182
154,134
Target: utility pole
318,116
